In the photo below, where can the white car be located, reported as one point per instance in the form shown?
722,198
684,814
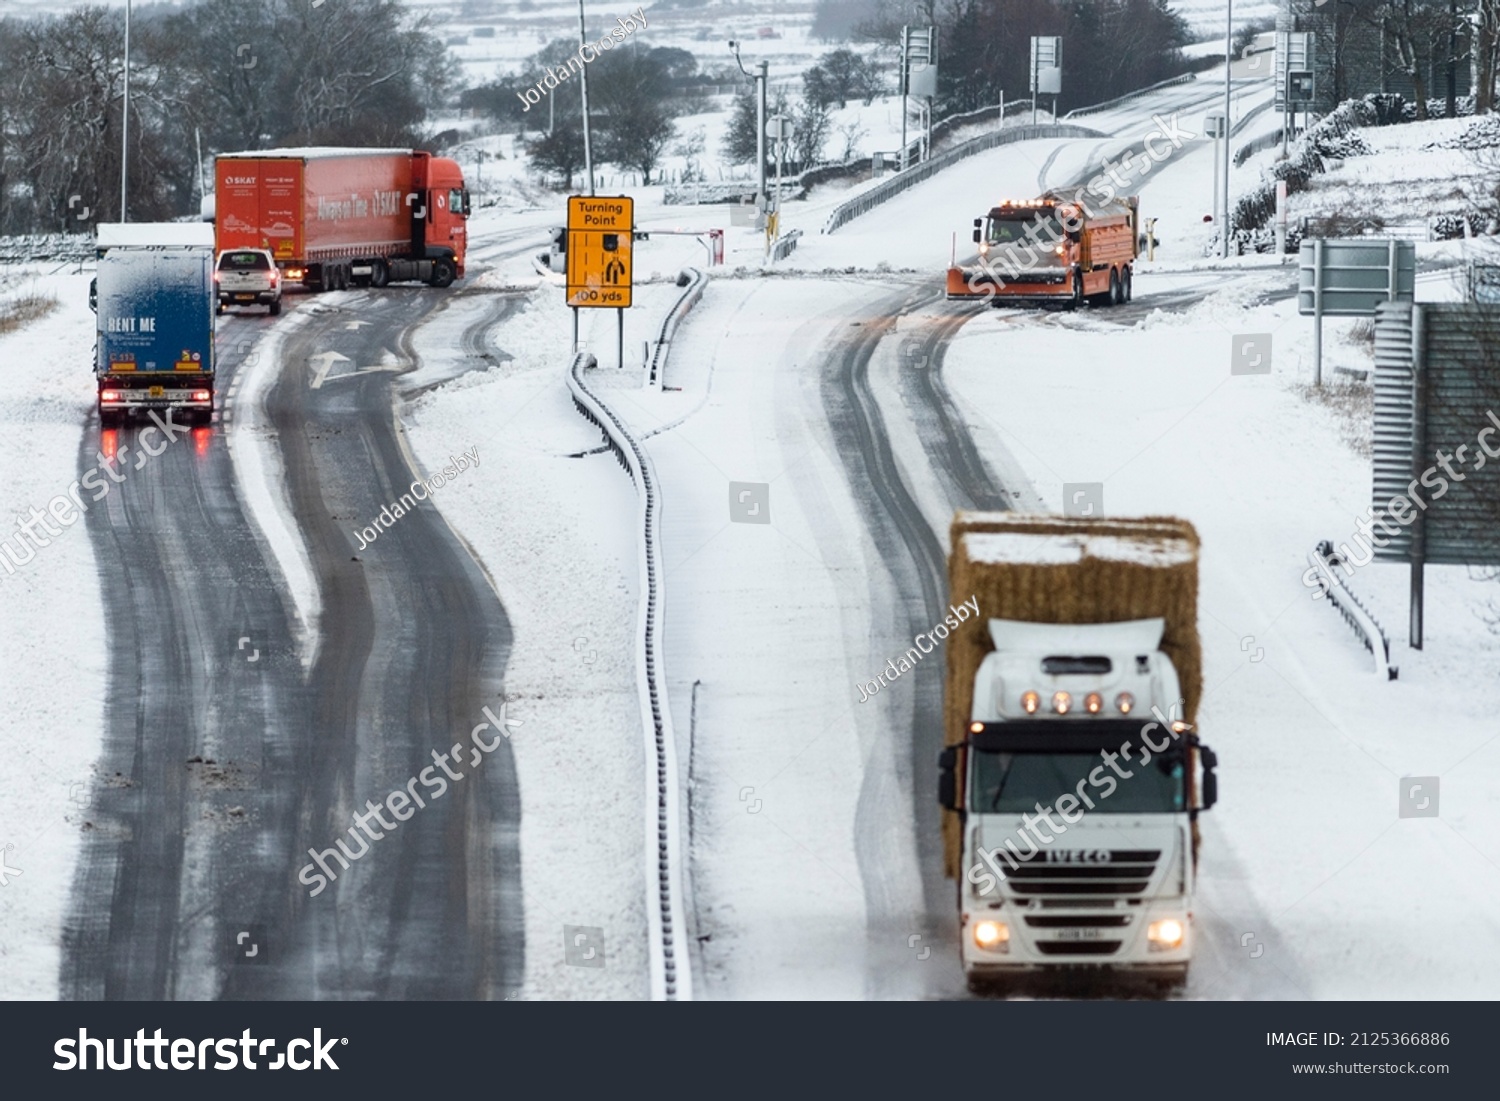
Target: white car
248,277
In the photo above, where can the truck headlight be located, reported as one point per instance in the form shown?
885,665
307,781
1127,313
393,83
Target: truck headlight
992,935
1164,934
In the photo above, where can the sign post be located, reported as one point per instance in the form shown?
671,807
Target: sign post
1214,126
600,231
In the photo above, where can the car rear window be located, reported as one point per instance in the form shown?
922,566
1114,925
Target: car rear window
244,261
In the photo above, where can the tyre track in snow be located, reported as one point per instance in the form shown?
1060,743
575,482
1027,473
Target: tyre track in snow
217,775
915,559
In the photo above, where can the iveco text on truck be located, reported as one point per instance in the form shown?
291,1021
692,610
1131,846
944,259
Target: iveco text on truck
155,300
1070,782
334,218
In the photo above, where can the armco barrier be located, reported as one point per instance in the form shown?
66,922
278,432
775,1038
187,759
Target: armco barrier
845,213
1079,112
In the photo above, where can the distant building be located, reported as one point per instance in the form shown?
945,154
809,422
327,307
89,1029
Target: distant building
1356,52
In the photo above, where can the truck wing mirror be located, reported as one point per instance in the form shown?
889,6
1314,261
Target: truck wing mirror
948,778
1210,761
94,294
976,236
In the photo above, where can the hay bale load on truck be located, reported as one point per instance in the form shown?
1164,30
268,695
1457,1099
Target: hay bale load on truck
1069,781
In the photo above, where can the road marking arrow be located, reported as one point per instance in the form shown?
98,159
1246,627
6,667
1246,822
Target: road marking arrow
321,364
353,326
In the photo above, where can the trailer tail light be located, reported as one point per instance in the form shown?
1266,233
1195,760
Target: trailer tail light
295,273
1124,703
110,395
203,395
1030,701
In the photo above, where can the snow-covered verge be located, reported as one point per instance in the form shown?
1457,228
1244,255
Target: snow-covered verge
52,646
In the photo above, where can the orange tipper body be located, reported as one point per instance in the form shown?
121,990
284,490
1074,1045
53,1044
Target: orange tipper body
1052,249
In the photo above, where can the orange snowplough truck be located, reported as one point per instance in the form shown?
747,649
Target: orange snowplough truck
1052,249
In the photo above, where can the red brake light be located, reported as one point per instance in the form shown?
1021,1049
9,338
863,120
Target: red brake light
110,395
202,395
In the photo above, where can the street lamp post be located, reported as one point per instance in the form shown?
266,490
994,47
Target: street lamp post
583,76
759,77
1228,60
125,120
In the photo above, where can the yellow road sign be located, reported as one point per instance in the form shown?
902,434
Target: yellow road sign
599,236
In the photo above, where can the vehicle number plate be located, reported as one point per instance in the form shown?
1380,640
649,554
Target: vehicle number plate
157,391
1079,934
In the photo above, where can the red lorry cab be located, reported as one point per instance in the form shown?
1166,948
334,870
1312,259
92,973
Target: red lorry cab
334,217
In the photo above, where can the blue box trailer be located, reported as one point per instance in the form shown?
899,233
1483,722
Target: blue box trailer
154,296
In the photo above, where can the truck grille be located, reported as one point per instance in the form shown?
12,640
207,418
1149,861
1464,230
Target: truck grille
1078,947
1077,921
1126,873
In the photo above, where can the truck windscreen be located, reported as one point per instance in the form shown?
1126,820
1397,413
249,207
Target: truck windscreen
1016,782
1008,231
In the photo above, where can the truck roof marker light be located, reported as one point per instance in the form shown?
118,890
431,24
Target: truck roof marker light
1093,703
1030,701
1062,702
1124,703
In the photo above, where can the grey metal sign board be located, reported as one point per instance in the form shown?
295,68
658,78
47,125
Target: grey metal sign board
1349,278
1046,52
1294,53
1436,479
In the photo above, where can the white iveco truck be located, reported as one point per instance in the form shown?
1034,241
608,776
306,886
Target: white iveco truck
1071,775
